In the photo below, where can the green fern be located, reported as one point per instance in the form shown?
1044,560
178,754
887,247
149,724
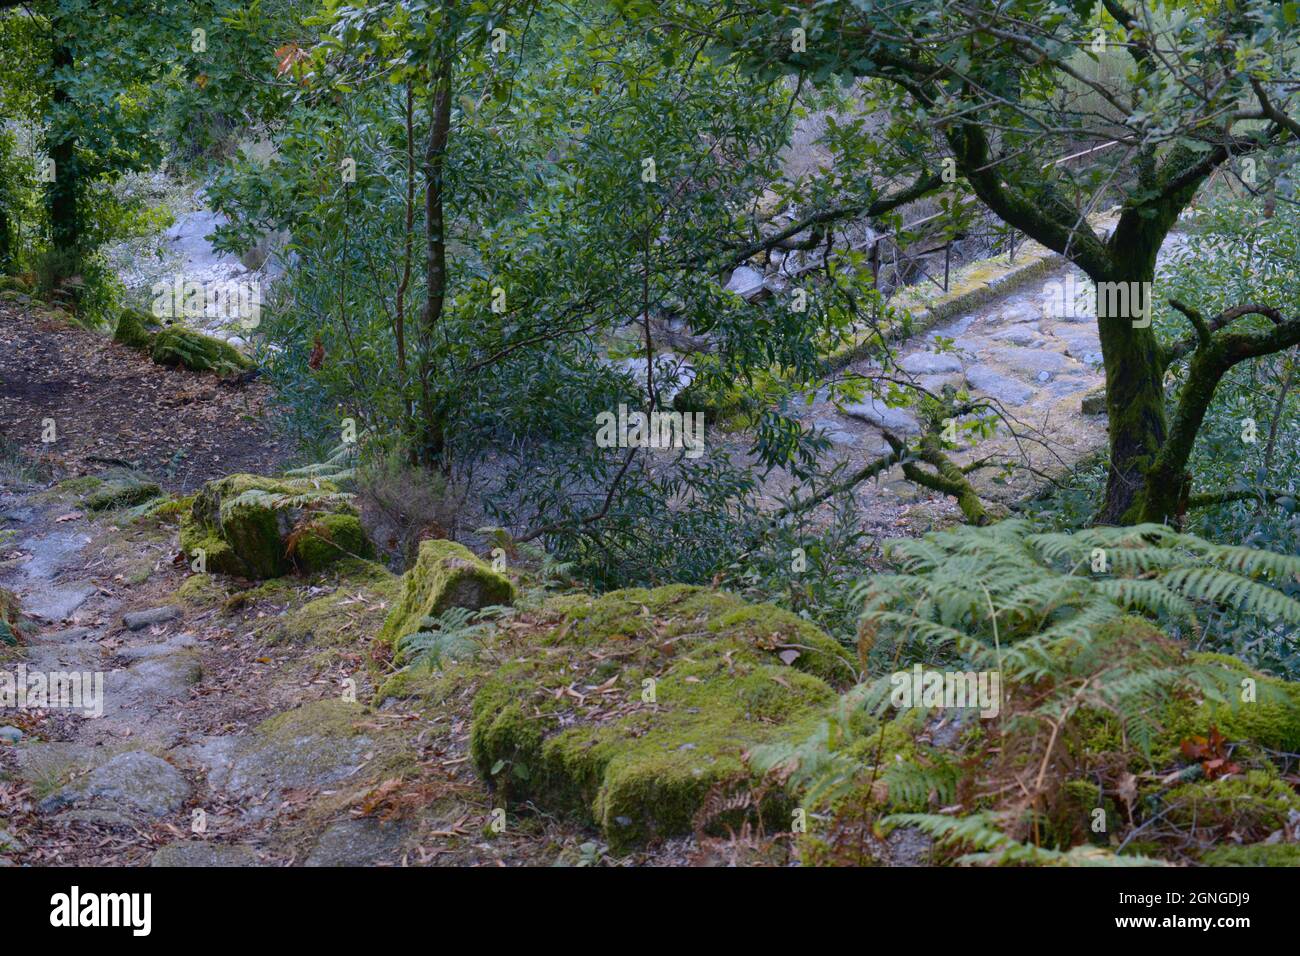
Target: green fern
982,836
1053,614
455,635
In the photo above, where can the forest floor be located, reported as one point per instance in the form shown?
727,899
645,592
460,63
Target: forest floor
225,739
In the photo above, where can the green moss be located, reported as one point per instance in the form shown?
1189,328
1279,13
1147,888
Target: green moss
1272,720
330,538
12,624
15,284
1257,854
186,348
135,328
200,541
122,490
1252,805
80,486
198,590
364,593
567,722
173,507
445,575
244,522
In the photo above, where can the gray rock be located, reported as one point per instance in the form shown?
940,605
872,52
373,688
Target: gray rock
55,604
360,842
835,432
934,384
10,843
877,413
99,818
930,363
10,735
746,282
1094,403
68,634
1019,310
1032,362
136,781
136,620
952,329
199,853
151,682
996,385
1023,335
148,652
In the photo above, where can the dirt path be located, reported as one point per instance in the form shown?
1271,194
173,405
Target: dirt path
101,401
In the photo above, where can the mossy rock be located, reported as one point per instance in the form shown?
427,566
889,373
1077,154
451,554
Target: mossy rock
122,489
1271,720
135,329
195,351
198,591
15,284
330,538
568,722
1252,805
243,523
1255,854
445,575
363,595
12,624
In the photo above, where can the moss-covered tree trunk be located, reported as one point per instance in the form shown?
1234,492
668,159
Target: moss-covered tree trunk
1135,402
1135,399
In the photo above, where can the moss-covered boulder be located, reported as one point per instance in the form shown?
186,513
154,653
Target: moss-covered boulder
195,351
122,489
630,710
250,525
329,538
135,329
15,284
445,575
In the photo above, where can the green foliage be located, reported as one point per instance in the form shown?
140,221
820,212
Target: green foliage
1087,688
988,845
454,635
1007,595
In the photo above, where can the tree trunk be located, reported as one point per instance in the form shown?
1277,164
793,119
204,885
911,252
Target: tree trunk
61,195
431,443
1135,399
